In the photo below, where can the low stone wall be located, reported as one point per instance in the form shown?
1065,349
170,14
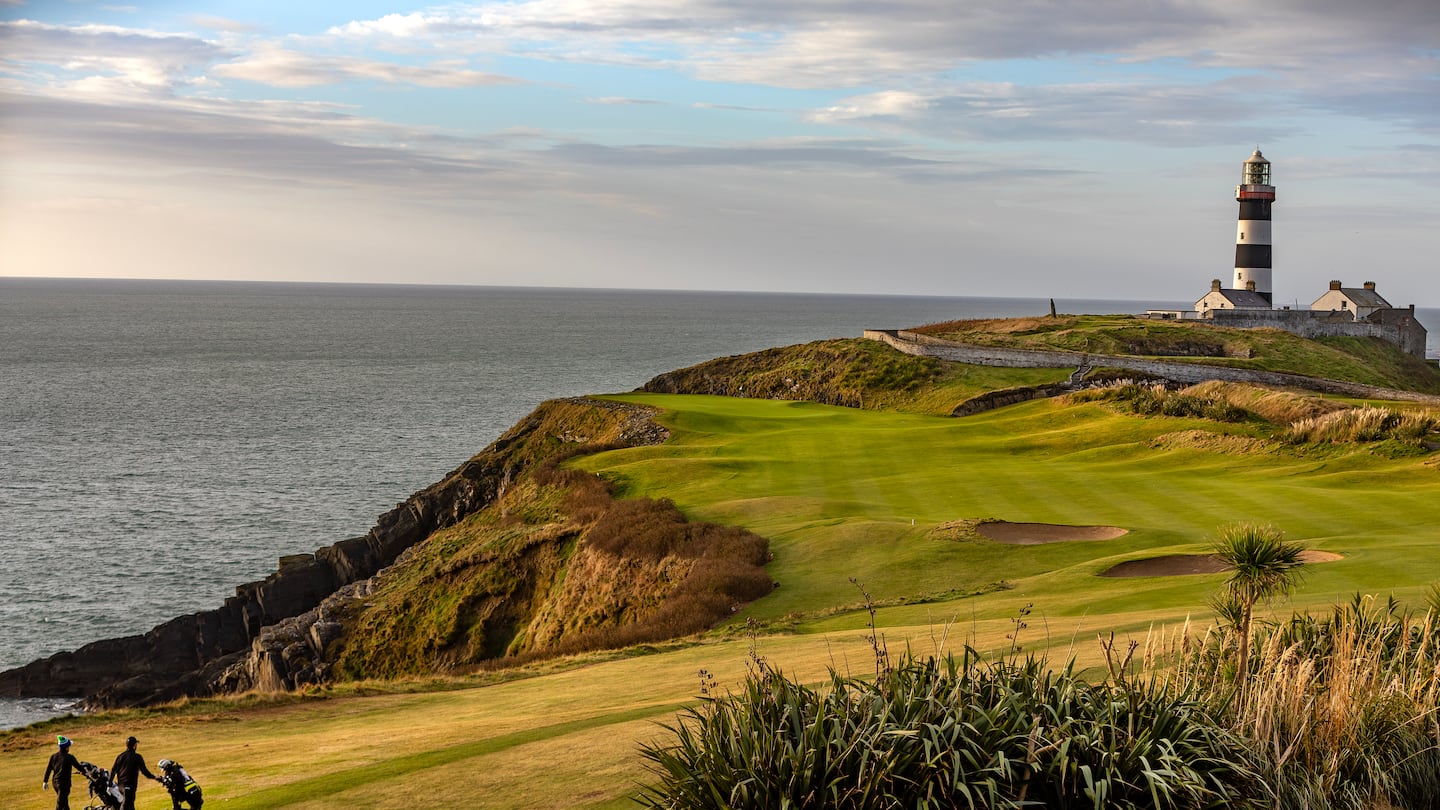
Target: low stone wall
1005,397
1398,327
925,345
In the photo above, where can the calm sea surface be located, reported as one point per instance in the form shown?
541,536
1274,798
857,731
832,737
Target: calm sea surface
162,442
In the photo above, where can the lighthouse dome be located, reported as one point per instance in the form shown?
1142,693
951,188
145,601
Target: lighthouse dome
1256,158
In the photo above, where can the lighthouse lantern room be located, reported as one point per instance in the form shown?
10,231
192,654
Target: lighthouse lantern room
1252,236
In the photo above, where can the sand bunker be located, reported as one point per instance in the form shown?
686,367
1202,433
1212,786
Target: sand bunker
1034,534
1171,565
1179,565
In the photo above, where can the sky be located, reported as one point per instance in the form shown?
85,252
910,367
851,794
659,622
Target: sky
1084,149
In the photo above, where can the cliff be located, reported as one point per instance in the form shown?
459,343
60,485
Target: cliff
511,557
235,645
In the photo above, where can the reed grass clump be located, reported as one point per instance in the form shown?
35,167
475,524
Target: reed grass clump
1155,399
1341,711
1367,424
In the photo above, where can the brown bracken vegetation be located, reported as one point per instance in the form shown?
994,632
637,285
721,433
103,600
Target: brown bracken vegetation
555,566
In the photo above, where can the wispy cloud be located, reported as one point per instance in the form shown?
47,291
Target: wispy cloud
1170,114
1308,50
282,67
130,57
886,128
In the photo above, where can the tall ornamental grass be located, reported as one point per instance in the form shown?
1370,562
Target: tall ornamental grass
1367,424
1341,711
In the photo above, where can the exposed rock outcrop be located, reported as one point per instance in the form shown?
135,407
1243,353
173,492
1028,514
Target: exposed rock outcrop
273,633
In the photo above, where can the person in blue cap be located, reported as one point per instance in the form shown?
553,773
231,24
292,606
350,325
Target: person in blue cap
62,762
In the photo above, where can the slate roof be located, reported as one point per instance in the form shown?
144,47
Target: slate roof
1241,299
1365,299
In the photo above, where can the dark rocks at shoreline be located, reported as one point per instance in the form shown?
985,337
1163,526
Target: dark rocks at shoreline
190,655
274,634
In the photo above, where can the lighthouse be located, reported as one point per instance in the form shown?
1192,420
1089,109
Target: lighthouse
1252,236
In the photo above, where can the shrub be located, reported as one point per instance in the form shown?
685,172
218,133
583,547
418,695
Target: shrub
1341,712
1154,399
960,732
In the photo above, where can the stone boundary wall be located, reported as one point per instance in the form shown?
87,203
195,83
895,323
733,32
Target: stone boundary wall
1403,331
927,346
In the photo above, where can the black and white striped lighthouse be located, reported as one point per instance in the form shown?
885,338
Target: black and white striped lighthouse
1252,237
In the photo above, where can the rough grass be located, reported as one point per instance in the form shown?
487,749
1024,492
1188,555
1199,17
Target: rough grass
854,373
1275,407
1366,424
556,567
1294,418
840,493
1341,707
1369,361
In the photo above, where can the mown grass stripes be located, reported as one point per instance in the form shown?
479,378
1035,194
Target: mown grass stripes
329,784
836,489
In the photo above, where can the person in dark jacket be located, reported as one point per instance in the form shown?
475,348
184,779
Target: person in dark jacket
61,764
127,769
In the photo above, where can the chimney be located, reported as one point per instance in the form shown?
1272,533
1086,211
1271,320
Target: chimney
1250,285
1334,285
1214,285
1370,285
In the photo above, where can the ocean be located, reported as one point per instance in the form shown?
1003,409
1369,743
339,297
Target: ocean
164,441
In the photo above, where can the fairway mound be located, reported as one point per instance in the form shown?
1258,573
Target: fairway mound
1034,534
1209,441
1179,565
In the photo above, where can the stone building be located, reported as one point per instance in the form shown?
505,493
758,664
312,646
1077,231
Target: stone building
1361,302
1222,298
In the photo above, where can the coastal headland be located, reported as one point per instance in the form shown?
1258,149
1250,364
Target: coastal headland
519,627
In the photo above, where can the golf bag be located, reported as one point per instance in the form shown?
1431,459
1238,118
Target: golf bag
180,784
107,793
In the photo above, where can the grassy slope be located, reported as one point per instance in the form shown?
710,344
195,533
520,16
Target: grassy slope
1363,360
852,372
836,490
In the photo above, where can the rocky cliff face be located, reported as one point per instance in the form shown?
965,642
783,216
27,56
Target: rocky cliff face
274,633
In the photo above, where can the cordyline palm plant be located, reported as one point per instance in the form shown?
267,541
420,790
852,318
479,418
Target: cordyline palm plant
1262,566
